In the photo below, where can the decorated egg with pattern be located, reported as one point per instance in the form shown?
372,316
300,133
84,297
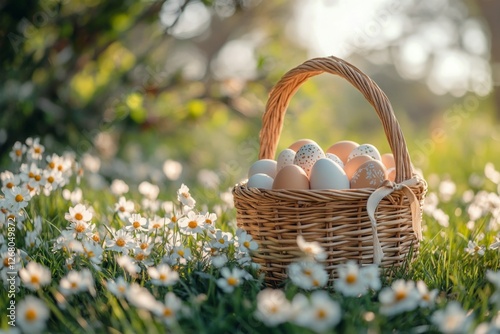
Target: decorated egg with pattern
335,158
285,158
367,149
307,155
371,174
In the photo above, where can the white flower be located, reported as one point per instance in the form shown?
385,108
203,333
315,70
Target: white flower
163,275
79,229
221,240
124,208
184,196
122,242
16,198
93,252
447,189
400,297
140,297
311,249
149,190
494,278
156,223
32,239
18,151
127,263
473,248
453,319
192,223
74,196
35,149
219,261
119,287
371,275
75,282
308,274
34,276
119,187
9,180
172,169
245,241
272,307
78,213
351,282
427,298
32,315
230,279
169,311
322,313
137,223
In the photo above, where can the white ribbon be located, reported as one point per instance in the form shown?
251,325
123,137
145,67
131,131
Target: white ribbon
374,200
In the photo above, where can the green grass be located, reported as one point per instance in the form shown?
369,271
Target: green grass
442,263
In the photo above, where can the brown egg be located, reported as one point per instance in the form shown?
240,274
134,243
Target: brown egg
299,143
352,165
390,174
371,174
291,177
388,160
342,149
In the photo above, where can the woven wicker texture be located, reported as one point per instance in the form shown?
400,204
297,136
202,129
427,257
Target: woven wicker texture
337,219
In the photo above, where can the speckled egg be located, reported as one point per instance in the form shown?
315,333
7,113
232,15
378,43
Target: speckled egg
367,149
335,158
285,157
307,155
299,143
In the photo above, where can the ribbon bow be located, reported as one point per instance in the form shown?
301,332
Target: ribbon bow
374,200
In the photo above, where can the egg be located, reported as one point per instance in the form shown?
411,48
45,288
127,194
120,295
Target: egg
390,174
285,158
299,143
307,155
265,166
335,158
342,149
388,160
291,177
367,149
352,165
371,174
327,174
260,180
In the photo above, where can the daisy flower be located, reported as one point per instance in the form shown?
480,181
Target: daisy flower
137,223
245,241
124,208
76,281
74,196
17,198
473,248
219,260
192,223
178,254
427,298
400,297
18,151
32,239
9,180
308,275
149,190
119,287
156,223
79,228
453,319
272,307
230,279
122,242
93,252
172,169
53,180
143,256
322,313
184,196
128,264
350,282
34,276
145,242
163,275
371,275
35,149
494,278
78,213
169,311
141,298
32,315
221,240
312,249
119,187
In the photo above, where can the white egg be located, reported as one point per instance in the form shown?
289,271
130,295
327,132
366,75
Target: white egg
265,166
335,158
260,180
327,174
307,155
367,149
285,158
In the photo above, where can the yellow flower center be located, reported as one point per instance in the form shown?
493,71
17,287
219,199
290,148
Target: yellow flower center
143,246
232,281
90,254
19,198
19,153
174,219
78,216
50,179
79,228
307,272
11,217
163,277
321,314
52,164
156,225
315,283
34,280
6,262
400,295
208,221
38,150
185,195
192,224
38,177
31,175
73,285
273,309
96,238
140,257
351,278
9,185
246,244
136,224
180,252
121,289
121,209
120,242
30,315
426,297
167,312
60,168
222,241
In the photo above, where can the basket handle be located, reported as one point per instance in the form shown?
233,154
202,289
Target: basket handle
282,92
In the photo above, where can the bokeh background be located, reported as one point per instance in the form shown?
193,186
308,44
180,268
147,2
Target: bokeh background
173,91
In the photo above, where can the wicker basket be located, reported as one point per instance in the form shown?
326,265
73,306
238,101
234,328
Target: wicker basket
366,225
